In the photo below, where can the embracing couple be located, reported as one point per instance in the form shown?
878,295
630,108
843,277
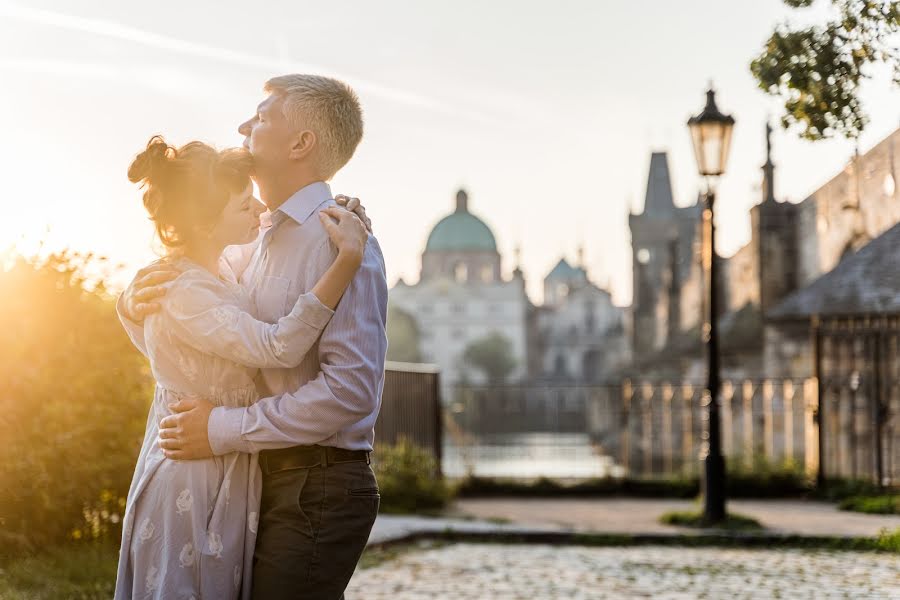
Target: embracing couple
268,346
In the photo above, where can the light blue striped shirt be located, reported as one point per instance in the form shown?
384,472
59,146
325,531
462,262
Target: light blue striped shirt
333,397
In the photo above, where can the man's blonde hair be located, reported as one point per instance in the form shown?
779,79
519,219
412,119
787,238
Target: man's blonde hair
327,107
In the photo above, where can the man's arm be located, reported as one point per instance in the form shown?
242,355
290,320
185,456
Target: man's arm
139,299
352,353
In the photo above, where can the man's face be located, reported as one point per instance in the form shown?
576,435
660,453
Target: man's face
268,135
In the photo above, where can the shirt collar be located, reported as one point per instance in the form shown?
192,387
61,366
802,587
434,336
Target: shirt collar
305,201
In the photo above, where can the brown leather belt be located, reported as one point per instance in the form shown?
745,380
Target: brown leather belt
307,457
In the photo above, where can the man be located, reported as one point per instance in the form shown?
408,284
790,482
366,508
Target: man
314,426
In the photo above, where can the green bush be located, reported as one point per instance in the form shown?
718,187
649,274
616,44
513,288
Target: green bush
764,479
74,395
888,541
408,479
840,489
761,479
473,486
886,504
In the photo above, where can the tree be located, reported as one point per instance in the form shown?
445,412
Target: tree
817,71
403,336
74,395
492,355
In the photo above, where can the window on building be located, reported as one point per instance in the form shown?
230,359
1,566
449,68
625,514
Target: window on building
889,186
487,274
559,368
589,322
461,272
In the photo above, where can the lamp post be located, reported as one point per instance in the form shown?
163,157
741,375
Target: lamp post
711,136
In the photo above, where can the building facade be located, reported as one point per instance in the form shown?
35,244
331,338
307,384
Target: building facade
791,245
461,297
580,333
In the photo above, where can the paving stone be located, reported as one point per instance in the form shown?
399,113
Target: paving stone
493,571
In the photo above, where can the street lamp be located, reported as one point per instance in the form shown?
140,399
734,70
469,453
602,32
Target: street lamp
711,135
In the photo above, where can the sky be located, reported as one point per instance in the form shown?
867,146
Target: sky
545,112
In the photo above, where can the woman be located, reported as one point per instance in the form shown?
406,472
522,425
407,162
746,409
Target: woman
190,526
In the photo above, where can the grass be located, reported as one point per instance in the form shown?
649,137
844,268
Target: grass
886,541
76,571
885,504
732,522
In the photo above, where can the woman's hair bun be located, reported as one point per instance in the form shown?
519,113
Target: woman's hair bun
150,165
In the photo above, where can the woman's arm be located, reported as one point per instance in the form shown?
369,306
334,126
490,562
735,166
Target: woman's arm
349,235
197,312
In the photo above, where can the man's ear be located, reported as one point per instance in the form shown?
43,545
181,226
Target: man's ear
303,145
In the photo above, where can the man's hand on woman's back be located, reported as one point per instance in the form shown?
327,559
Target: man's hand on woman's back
148,285
139,298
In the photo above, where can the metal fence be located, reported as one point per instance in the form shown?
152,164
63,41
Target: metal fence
411,407
653,429
638,429
858,362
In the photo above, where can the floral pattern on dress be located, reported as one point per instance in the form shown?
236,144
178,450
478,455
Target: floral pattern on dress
184,501
190,526
146,530
151,582
186,557
215,544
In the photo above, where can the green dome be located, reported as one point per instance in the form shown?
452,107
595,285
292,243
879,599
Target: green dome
461,231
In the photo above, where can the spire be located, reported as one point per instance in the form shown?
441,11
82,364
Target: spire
658,201
517,272
768,169
462,201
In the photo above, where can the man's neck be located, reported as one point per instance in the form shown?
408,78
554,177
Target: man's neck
275,193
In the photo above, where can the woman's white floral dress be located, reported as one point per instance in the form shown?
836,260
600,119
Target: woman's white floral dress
190,526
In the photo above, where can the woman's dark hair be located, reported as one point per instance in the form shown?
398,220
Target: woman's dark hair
187,188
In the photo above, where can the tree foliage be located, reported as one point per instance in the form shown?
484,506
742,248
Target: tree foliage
492,355
74,395
818,70
403,336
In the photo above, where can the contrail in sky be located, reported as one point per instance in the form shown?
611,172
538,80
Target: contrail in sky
113,30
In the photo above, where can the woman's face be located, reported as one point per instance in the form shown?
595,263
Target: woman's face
240,219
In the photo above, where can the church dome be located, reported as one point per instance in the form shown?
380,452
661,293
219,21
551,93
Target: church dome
461,231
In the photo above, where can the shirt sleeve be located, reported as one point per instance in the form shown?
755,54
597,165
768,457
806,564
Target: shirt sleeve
352,352
198,312
134,329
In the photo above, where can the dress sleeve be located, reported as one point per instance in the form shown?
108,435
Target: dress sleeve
199,312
